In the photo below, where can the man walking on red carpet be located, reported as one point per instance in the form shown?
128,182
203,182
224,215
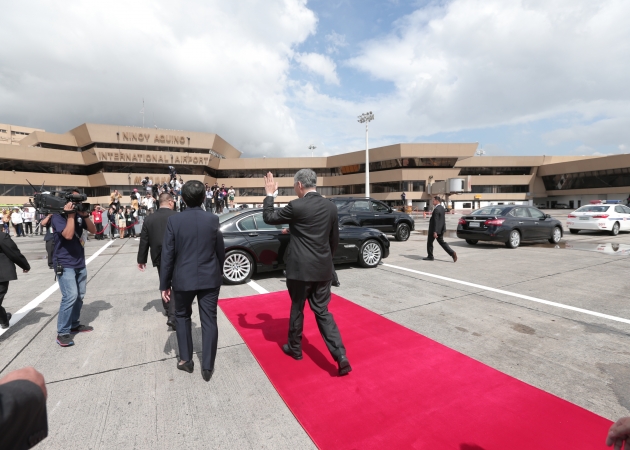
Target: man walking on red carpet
314,233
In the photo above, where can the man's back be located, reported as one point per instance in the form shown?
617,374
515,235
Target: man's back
152,235
437,223
192,252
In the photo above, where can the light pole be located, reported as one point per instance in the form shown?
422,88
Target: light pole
311,148
366,118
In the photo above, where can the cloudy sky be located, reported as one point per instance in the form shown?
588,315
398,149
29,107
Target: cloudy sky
275,76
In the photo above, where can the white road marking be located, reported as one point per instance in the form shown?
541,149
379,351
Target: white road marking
257,287
44,295
514,294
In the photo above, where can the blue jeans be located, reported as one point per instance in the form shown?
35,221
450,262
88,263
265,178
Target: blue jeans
72,285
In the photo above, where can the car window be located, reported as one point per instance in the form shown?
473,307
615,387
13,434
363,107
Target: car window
520,212
626,209
536,214
379,207
247,224
489,211
361,205
619,209
592,208
262,226
341,203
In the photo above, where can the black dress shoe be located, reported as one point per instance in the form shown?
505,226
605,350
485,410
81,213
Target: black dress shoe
344,366
336,283
287,351
5,325
188,366
172,325
207,374
427,259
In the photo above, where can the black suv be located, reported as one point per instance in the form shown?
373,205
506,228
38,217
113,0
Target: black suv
367,212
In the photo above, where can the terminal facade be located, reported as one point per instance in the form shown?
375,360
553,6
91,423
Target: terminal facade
100,158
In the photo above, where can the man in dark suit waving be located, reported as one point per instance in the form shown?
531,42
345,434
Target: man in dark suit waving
437,227
193,253
152,235
314,233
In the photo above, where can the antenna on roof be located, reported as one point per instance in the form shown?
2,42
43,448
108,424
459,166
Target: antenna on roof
142,112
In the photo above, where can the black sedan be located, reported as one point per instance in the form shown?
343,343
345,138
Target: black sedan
509,224
252,246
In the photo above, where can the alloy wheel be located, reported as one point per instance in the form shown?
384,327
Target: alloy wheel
371,254
237,267
515,239
556,235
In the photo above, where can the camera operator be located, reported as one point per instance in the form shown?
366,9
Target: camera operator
69,262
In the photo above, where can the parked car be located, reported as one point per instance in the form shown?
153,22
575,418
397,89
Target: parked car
509,224
252,246
561,206
611,217
367,212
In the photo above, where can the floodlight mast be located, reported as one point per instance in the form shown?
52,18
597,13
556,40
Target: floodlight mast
311,148
366,118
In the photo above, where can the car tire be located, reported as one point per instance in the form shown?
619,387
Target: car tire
573,231
514,240
238,267
402,232
471,241
556,235
370,253
615,229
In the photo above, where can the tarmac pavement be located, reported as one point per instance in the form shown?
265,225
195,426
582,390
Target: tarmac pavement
118,386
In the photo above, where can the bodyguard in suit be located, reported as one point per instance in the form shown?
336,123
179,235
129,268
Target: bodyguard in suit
192,266
437,227
10,255
152,236
314,230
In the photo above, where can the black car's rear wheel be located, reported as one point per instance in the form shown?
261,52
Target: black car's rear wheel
238,267
514,240
402,232
370,253
556,235
471,241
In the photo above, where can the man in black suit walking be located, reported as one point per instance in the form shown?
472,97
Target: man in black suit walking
10,255
193,253
152,236
314,230
437,227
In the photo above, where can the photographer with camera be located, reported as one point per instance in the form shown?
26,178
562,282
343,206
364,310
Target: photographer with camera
69,263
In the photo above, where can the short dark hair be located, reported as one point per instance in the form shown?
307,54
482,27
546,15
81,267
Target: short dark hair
437,197
165,197
75,189
193,193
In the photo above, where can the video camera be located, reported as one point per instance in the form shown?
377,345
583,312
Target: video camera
53,202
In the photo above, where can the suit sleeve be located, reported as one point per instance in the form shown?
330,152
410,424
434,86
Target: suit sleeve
167,262
334,235
23,419
13,253
143,248
220,249
273,216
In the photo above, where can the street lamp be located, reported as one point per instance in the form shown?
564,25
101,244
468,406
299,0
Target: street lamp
311,148
366,118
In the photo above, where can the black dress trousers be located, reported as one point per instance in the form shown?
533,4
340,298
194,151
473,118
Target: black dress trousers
440,240
169,308
4,287
318,295
207,300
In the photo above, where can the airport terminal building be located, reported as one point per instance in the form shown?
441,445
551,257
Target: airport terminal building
99,158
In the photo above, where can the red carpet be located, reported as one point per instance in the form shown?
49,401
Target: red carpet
405,390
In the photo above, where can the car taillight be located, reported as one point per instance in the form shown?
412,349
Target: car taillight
571,216
601,216
462,221
495,222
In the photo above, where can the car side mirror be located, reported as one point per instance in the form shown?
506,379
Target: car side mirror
547,216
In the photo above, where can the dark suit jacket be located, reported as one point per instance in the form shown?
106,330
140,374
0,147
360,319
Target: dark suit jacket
193,252
437,224
152,236
10,255
314,230
23,420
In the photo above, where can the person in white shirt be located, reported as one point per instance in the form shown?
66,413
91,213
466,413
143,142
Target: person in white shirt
28,215
16,220
147,202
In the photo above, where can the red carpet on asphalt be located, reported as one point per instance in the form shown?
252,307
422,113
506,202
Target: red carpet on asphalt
405,390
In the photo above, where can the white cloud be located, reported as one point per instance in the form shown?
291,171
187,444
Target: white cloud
335,41
319,64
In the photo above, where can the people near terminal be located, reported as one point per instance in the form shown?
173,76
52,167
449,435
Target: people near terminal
130,217
111,218
28,216
147,203
97,218
208,202
17,221
437,228
135,200
215,198
48,238
191,267
115,200
10,256
121,223
69,262
314,230
172,172
151,237
231,195
403,198
23,419
155,188
6,220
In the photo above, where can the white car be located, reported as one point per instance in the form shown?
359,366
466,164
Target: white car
600,217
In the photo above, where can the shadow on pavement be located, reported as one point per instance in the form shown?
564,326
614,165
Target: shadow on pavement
90,311
31,318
